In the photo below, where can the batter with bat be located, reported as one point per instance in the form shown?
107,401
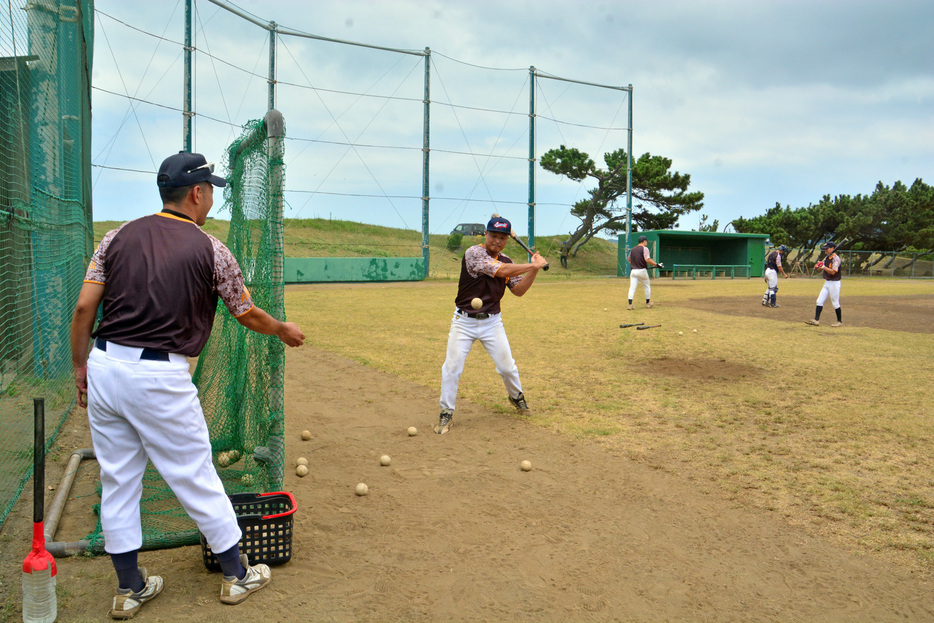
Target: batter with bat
159,278
639,261
486,272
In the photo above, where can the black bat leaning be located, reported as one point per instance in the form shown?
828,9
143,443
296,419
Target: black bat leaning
626,326
648,326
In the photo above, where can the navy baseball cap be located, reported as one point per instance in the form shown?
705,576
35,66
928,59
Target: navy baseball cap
498,223
186,169
643,239
829,245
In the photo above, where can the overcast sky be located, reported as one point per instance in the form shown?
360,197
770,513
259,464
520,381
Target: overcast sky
760,102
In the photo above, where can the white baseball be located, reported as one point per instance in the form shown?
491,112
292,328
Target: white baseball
362,489
412,431
526,466
223,459
476,303
301,470
306,435
695,330
680,332
301,461
385,460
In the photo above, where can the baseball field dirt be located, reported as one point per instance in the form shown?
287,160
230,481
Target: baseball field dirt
454,530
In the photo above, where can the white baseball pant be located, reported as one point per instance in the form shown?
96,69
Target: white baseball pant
831,289
464,332
139,410
637,276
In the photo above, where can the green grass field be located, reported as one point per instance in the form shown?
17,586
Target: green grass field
830,428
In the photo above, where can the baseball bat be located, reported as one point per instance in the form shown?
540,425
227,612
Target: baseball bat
634,324
648,326
524,246
39,600
513,235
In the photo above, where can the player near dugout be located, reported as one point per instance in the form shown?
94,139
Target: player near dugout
773,264
159,278
639,261
830,267
486,272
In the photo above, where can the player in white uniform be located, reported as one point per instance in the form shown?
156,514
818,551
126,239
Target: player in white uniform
830,267
486,272
639,261
159,278
773,264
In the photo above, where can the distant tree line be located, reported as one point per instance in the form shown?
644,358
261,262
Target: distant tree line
890,219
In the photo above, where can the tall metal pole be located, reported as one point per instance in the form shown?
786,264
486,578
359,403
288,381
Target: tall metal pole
272,66
426,150
531,158
629,184
186,113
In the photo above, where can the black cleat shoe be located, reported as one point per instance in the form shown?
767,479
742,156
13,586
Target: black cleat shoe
520,404
444,422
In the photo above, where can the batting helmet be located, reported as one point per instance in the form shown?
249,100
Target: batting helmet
783,249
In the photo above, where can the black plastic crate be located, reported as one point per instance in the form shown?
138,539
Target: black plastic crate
266,522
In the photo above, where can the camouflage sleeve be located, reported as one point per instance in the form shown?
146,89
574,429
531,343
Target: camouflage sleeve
228,280
479,262
96,272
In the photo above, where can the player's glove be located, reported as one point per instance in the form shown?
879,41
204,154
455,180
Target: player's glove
818,266
659,265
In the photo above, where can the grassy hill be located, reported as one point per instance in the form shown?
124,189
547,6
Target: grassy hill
330,238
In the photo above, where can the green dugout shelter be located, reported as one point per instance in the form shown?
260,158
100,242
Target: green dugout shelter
689,253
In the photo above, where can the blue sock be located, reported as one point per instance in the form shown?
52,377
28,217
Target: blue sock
230,562
128,570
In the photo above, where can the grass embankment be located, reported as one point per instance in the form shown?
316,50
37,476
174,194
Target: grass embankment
831,428
329,238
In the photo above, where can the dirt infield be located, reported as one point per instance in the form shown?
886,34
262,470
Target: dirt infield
453,530
912,313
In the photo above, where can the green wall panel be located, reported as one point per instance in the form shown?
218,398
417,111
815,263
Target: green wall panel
343,269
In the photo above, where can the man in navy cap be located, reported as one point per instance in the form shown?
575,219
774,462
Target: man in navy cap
830,267
639,261
159,278
486,272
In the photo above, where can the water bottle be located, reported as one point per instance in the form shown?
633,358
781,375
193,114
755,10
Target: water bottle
39,602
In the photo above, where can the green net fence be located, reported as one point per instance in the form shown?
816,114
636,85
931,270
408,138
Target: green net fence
240,374
45,218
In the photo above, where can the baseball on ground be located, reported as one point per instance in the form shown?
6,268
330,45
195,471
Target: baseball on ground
223,459
301,470
306,435
362,489
385,460
695,330
680,332
412,431
526,466
476,303
301,461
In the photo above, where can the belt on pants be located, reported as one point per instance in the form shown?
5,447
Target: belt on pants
477,315
148,354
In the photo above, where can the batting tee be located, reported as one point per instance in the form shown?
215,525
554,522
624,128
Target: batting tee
697,253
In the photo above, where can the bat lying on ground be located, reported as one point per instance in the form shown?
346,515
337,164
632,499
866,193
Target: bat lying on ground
513,235
626,326
648,326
